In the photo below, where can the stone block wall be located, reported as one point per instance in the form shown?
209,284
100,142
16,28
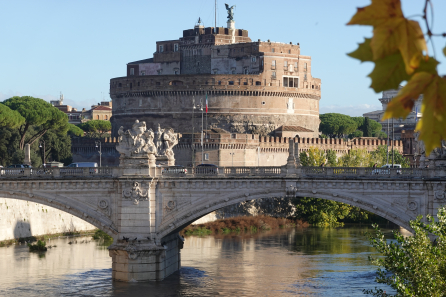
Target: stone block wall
24,219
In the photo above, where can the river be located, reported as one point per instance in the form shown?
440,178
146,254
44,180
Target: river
286,262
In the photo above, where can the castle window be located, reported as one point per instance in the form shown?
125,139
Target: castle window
175,47
273,50
258,83
161,48
273,64
206,156
312,86
263,102
219,82
132,71
305,67
233,71
234,136
105,117
215,71
295,66
305,77
143,73
289,51
176,72
273,76
253,59
119,85
231,83
139,84
245,70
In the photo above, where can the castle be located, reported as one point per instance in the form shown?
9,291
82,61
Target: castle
248,87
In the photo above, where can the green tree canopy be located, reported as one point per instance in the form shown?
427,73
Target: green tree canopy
413,265
357,133
379,156
96,128
336,125
75,130
10,118
39,113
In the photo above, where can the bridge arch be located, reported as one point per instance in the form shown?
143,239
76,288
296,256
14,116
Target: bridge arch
70,206
187,216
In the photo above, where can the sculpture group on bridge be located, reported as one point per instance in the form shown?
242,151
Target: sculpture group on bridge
141,143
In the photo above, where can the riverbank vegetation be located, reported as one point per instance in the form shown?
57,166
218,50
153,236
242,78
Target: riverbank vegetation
414,265
99,234
30,239
40,246
241,224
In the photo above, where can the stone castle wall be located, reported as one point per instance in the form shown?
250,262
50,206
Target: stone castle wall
237,103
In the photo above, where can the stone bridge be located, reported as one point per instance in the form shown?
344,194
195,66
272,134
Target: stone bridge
143,209
144,206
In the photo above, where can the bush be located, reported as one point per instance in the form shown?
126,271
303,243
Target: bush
99,234
40,246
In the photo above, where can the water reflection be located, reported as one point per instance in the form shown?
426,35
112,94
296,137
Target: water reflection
289,262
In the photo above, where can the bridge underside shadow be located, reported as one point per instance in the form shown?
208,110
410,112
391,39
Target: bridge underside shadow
173,223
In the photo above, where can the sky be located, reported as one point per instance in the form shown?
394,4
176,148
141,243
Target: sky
76,47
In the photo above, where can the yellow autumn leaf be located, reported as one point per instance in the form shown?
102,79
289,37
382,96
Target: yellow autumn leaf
402,104
392,32
376,13
432,126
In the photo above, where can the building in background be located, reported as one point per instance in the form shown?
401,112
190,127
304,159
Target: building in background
101,111
398,125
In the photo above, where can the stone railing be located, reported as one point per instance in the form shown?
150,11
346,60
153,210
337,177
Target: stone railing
189,172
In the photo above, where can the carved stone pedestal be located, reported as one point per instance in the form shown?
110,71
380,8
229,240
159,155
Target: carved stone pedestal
136,261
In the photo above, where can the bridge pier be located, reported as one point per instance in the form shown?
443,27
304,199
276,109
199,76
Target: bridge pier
145,261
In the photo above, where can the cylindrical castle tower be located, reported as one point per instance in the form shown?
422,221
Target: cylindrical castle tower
251,87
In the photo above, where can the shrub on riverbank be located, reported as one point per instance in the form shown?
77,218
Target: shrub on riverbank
99,234
40,246
241,224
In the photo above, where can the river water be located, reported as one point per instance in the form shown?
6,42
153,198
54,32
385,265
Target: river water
285,262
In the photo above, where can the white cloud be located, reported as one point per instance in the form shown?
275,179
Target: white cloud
351,110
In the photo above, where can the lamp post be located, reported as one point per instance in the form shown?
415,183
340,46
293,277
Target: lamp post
44,156
198,106
98,144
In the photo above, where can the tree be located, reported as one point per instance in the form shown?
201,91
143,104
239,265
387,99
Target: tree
355,158
367,130
321,212
374,125
357,133
379,156
331,158
39,113
380,135
397,49
336,125
314,157
75,130
57,147
96,128
10,118
413,265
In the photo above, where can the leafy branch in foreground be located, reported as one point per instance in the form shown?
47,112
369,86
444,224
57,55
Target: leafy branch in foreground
413,266
398,50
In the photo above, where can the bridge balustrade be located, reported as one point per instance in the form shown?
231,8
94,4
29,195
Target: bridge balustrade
12,172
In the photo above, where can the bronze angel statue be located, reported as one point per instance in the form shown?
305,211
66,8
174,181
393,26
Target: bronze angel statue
230,12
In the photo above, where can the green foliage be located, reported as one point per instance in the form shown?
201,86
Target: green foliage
96,128
321,212
355,158
413,266
38,113
57,147
380,135
75,130
331,158
313,157
379,156
367,130
39,247
375,127
336,125
10,118
357,133
99,234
